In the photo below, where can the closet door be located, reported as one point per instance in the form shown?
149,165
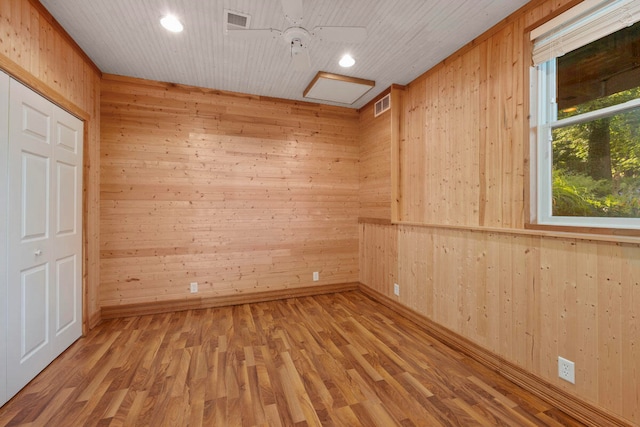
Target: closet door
4,135
44,234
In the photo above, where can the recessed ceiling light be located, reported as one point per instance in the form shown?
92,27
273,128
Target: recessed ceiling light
347,61
172,24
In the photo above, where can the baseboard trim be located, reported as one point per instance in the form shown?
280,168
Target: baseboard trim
572,405
157,307
94,319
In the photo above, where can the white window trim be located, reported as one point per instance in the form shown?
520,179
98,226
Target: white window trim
586,22
544,117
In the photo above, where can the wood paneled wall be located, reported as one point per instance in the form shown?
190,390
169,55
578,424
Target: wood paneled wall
35,50
526,298
375,163
462,257
461,160
240,193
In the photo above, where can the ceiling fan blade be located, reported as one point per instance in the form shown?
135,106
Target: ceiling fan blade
292,11
300,60
255,34
341,34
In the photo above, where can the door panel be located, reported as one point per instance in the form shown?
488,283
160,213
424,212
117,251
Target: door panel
34,331
66,298
67,137
35,197
30,261
35,122
67,143
66,203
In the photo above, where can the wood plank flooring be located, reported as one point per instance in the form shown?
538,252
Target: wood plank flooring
336,360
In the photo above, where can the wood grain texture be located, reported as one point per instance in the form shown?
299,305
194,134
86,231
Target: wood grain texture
338,359
375,164
378,255
469,265
469,114
555,396
35,50
527,299
157,307
397,132
240,193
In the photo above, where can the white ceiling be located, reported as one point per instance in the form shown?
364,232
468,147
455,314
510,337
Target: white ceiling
405,39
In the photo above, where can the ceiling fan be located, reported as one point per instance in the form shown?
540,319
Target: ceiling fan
297,37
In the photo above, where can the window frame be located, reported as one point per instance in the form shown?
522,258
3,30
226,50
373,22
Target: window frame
543,120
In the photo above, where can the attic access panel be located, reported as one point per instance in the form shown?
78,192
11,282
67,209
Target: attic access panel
337,88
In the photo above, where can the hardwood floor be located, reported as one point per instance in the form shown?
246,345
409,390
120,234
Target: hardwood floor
338,359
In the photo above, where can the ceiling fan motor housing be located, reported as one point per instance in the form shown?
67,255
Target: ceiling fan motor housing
297,37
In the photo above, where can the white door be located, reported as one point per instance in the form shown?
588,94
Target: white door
44,234
4,136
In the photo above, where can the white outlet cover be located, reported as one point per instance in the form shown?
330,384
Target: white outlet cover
316,276
566,370
194,287
396,289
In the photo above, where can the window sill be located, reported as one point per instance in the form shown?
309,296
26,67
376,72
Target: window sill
624,235
565,232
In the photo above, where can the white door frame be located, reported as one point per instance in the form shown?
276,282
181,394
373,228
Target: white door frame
4,144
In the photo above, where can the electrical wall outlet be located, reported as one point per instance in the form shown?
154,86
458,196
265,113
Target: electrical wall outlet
316,276
396,289
566,370
194,287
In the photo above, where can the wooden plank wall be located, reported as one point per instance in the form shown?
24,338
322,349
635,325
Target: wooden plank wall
375,164
475,146
525,297
240,193
35,50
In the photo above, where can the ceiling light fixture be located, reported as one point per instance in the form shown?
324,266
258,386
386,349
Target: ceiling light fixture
347,61
337,88
172,24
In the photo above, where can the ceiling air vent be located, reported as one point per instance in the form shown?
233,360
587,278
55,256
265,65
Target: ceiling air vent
382,105
236,20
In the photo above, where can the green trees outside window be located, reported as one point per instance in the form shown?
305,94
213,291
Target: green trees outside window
596,163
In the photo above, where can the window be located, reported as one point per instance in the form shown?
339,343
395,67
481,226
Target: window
586,116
